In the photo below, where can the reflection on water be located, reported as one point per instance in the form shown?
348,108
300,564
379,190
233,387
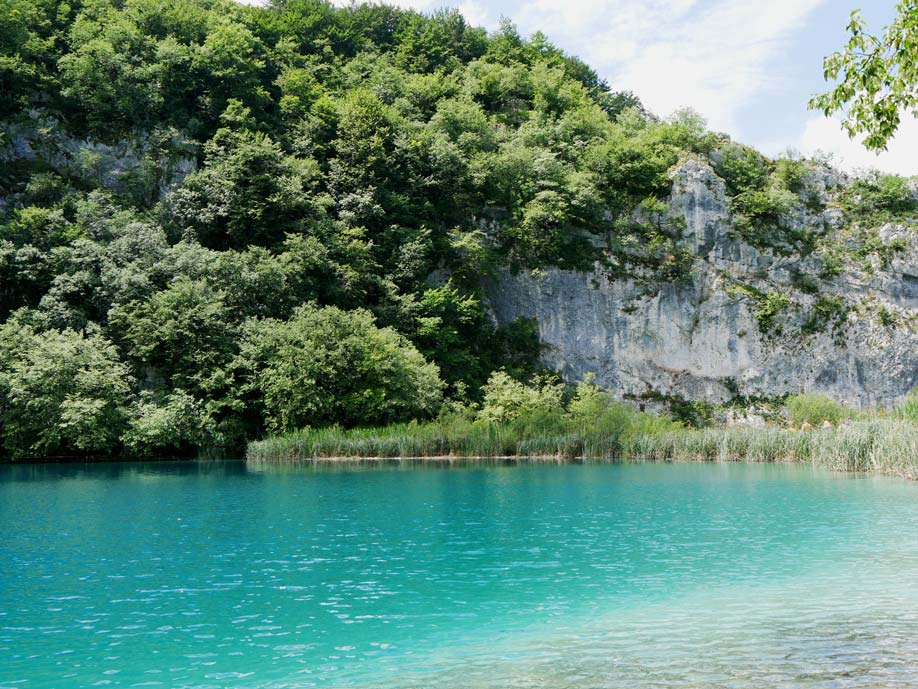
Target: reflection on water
223,574
100,471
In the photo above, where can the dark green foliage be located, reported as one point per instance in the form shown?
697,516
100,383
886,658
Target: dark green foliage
248,193
28,31
442,40
885,317
805,283
184,334
453,330
694,413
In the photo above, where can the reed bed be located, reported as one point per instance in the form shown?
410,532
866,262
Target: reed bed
882,445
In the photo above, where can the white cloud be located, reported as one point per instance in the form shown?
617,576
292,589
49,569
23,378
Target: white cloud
716,56
826,135
476,13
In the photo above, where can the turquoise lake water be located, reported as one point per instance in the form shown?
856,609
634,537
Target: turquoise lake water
635,575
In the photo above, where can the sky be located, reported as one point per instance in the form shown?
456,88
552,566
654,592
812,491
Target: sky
748,66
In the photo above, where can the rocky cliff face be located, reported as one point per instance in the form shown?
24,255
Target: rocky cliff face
746,322
37,137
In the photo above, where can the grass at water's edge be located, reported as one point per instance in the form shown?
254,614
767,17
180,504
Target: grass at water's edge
884,446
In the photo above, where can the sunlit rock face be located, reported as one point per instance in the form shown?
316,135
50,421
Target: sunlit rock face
701,339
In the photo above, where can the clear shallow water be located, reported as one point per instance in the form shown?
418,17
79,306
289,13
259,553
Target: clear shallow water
222,575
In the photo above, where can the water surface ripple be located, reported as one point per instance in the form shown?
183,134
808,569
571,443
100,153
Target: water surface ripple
207,575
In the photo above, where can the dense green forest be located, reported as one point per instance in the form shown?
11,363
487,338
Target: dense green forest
219,220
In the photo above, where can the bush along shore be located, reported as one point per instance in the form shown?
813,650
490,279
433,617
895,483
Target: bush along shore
536,421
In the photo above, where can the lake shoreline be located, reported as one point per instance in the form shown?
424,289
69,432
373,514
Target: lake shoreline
878,446
513,460
440,460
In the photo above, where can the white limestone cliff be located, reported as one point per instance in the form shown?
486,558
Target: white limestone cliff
701,340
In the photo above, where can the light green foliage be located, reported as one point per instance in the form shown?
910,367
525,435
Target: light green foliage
176,422
873,199
791,174
742,168
907,410
760,210
326,365
815,409
769,306
515,419
877,77
466,124
769,309
659,234
769,199
595,412
880,445
60,392
40,227
506,399
300,90
859,245
590,402
829,311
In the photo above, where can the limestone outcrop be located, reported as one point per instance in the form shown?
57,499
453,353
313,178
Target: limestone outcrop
739,325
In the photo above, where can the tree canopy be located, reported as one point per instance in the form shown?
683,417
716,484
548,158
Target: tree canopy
877,77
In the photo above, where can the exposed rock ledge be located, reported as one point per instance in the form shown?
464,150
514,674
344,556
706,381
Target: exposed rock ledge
701,341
